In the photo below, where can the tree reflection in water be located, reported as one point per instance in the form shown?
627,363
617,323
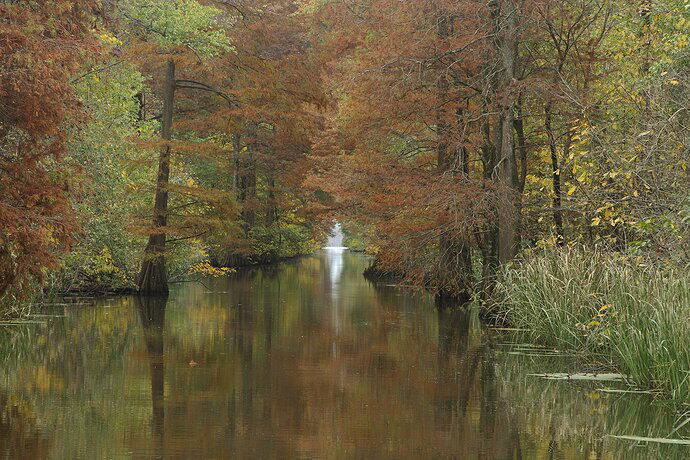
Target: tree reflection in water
20,436
304,359
152,314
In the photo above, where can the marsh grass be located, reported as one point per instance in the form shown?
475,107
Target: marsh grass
14,307
603,305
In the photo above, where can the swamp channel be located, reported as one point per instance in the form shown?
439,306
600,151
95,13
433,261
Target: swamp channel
305,359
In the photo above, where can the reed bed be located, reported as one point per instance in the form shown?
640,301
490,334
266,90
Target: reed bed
601,304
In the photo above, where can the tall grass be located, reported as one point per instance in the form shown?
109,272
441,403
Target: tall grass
599,303
14,307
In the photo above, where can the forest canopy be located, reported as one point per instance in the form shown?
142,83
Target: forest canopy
145,141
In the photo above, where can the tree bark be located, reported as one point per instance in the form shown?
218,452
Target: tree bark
153,277
455,258
271,207
236,149
505,23
555,175
489,239
248,182
521,148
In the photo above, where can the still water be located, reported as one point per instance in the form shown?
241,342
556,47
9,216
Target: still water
306,359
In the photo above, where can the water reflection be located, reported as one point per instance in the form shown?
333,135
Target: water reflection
20,436
152,314
336,240
306,359
334,267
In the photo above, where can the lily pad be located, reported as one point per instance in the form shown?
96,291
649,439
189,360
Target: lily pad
617,390
612,377
527,353
528,346
20,323
685,442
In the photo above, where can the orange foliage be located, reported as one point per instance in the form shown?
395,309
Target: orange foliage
403,152
40,49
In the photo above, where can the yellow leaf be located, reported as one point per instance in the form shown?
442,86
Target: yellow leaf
571,190
596,221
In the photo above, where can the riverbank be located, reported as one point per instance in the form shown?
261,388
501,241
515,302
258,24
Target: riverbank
112,282
606,307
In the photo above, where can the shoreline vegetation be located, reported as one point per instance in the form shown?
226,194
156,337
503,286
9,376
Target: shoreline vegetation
612,310
604,306
16,307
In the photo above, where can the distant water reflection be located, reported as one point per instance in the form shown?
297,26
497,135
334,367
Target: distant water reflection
303,360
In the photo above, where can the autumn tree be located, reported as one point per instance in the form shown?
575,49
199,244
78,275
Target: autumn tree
238,108
42,48
274,84
173,32
464,124
429,89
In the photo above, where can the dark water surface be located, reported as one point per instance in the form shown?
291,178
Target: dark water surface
303,360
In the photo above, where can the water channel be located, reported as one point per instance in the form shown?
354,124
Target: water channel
306,359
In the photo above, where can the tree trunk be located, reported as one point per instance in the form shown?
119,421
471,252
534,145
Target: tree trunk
555,175
153,277
236,149
505,22
248,182
489,240
141,106
521,148
271,207
455,258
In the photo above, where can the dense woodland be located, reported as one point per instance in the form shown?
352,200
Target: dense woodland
145,141
143,134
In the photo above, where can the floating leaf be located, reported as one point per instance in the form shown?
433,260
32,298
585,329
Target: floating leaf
618,390
613,377
685,442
